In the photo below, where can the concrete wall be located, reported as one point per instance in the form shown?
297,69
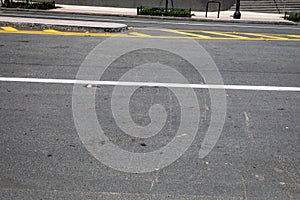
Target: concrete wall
194,4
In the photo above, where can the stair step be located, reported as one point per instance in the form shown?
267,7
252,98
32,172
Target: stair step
269,6
298,6
288,1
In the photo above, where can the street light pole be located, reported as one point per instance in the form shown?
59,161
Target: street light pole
237,13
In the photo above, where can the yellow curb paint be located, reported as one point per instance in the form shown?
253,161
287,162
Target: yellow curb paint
9,28
65,33
51,31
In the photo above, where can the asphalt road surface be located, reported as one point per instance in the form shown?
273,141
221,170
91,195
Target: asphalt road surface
140,22
49,123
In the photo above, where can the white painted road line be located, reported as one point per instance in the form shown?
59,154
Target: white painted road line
150,84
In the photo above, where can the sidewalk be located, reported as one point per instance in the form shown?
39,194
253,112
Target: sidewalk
225,16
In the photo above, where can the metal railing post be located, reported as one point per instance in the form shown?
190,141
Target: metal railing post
212,1
237,13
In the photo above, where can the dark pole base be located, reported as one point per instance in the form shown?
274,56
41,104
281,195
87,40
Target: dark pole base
237,15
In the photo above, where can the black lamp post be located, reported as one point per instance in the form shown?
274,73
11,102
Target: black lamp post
167,5
237,13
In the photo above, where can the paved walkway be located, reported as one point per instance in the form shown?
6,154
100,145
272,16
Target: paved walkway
224,15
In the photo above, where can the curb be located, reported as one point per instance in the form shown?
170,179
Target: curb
156,17
66,25
74,28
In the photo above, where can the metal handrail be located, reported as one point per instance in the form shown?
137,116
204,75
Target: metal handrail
213,1
277,6
167,2
284,7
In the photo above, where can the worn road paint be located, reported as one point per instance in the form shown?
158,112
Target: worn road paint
194,34
151,84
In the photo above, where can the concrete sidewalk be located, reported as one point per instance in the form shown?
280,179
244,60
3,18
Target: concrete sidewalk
225,16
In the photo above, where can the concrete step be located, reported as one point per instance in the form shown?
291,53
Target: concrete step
288,1
269,6
277,1
271,10
269,3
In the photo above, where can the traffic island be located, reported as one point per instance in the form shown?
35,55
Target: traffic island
63,25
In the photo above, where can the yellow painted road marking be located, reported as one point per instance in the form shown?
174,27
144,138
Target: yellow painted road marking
181,34
91,34
139,34
66,33
187,34
265,36
225,34
228,35
148,29
51,31
9,28
295,36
